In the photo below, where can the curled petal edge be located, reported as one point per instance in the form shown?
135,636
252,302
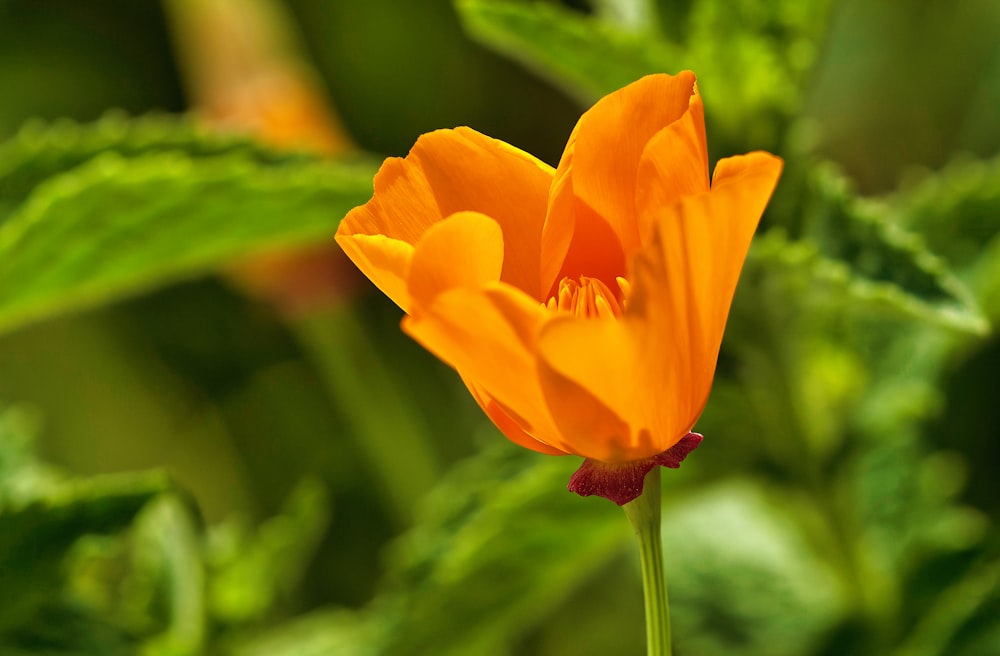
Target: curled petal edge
623,482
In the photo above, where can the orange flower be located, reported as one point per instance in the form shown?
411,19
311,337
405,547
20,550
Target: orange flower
583,306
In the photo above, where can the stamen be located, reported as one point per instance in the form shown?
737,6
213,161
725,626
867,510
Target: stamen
587,298
626,289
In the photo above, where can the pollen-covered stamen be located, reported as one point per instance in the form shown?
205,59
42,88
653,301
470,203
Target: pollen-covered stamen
588,298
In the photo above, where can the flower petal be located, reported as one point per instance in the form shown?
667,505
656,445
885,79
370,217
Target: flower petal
489,336
575,354
576,241
674,164
450,171
470,171
507,424
611,138
385,261
465,249
654,367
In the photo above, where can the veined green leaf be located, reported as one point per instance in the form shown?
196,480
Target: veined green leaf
957,210
854,241
118,226
42,150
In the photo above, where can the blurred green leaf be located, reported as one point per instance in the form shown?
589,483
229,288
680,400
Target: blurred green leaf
170,543
858,242
869,275
957,209
22,477
319,633
63,628
398,445
752,56
501,544
116,226
764,593
36,534
250,574
584,57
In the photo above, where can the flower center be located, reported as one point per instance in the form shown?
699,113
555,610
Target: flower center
590,298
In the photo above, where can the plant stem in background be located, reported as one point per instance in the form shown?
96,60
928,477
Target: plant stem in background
384,420
644,514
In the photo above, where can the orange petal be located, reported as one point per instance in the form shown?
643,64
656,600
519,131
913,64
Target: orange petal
507,424
385,261
576,240
402,208
489,336
470,171
674,164
560,216
654,367
379,235
450,171
610,141
573,354
683,286
466,249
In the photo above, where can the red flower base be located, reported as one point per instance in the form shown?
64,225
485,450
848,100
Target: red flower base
622,482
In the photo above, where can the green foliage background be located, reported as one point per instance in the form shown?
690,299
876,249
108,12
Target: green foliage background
186,470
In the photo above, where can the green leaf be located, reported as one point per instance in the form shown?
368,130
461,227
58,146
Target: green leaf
118,226
584,57
42,150
22,476
502,543
957,209
35,535
855,242
855,283
252,573
171,542
767,592
319,633
752,57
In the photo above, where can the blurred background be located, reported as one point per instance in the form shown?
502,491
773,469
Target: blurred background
214,438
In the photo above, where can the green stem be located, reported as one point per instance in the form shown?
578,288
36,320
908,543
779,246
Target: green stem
388,428
644,513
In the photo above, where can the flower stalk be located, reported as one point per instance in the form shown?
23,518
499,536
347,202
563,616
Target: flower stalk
644,514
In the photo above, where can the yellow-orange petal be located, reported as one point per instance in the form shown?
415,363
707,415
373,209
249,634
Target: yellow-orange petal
506,424
465,249
674,164
385,261
595,419
470,171
489,336
450,171
610,140
576,241
654,367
